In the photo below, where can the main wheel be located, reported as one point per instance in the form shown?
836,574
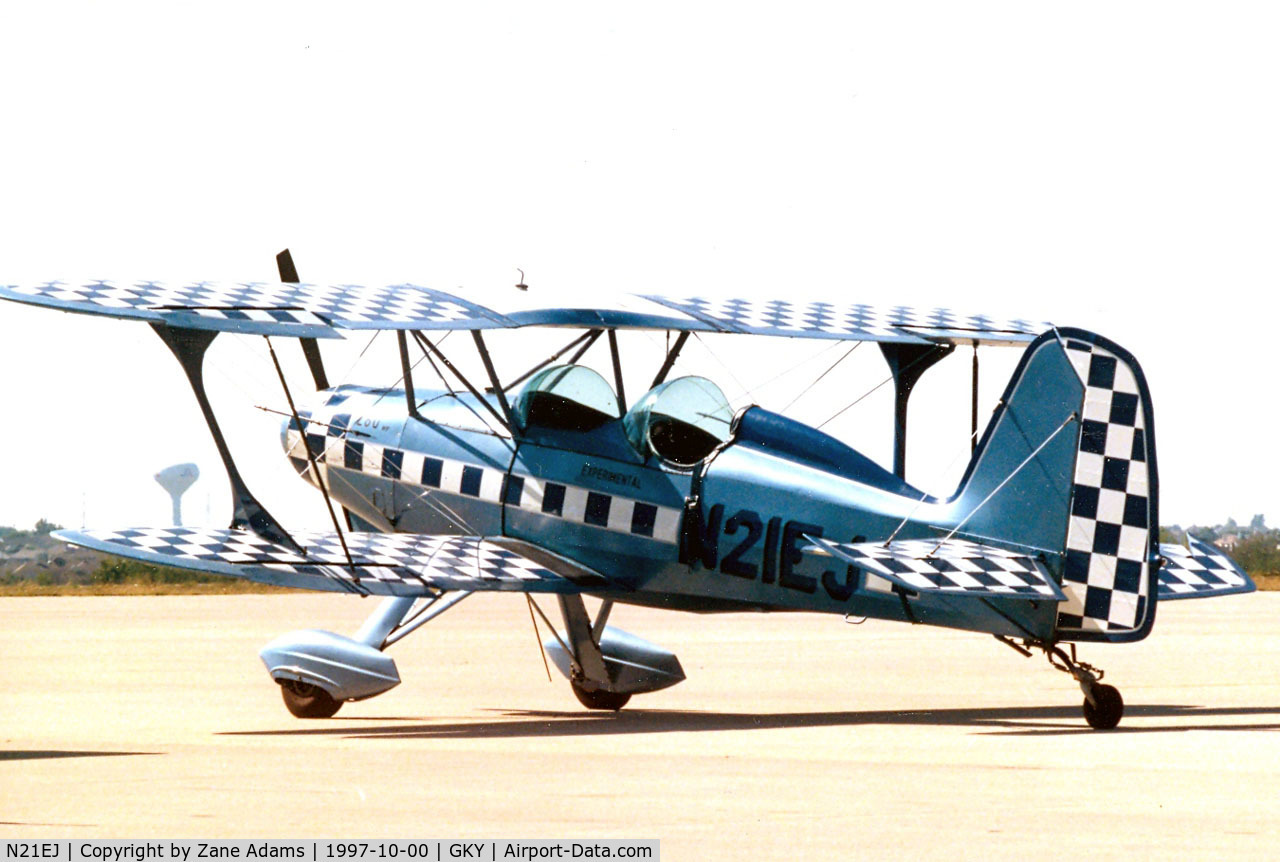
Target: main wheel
1108,706
305,700
599,699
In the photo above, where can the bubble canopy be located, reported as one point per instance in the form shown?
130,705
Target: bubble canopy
566,397
681,421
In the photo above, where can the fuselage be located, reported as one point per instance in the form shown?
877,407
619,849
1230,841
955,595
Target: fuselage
725,535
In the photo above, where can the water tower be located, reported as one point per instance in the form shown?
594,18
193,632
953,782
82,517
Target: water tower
176,480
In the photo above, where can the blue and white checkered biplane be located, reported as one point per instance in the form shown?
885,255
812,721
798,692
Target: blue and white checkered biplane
552,484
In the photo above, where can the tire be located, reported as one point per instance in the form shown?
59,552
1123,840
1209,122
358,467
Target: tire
607,700
305,700
1109,708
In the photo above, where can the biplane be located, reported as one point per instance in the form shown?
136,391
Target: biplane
553,483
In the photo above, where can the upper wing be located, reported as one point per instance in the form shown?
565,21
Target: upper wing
852,321
319,311
274,308
1198,572
384,564
954,567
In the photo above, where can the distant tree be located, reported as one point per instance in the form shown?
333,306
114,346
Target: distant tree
1172,535
1257,554
115,570
1230,526
44,528
1258,523
1204,534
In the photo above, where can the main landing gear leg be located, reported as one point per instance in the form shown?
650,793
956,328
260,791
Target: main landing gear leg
589,678
319,671
1103,705
605,665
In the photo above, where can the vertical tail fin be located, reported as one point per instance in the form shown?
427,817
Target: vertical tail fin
1068,466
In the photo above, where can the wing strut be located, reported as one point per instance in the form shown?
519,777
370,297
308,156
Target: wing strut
493,378
589,337
907,362
406,371
617,369
425,344
595,333
189,346
973,423
672,354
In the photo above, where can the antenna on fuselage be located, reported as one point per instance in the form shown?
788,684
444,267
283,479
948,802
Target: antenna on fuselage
520,285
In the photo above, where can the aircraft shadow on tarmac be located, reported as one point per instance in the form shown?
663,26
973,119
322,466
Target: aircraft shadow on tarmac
1027,721
51,754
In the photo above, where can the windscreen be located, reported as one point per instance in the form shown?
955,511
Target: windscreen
681,421
566,397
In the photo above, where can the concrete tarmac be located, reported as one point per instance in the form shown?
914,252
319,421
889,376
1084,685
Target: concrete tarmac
794,736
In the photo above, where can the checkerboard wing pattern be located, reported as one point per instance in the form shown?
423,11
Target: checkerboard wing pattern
1199,571
954,567
385,564
850,320
1112,527
262,307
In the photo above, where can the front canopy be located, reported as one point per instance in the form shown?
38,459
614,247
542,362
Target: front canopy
566,397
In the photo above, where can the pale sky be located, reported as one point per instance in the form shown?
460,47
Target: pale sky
1105,165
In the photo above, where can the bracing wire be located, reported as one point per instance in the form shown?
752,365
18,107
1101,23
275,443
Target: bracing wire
818,379
347,374
750,393
853,403
537,638
727,369
924,496
996,489
293,410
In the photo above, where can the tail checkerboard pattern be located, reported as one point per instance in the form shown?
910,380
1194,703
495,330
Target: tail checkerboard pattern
1110,536
1199,570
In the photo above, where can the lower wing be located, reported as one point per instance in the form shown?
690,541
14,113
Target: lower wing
387,564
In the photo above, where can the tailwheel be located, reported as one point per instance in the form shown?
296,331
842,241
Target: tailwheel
1104,709
1103,705
607,700
305,700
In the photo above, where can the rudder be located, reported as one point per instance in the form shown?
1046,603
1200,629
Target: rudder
1109,575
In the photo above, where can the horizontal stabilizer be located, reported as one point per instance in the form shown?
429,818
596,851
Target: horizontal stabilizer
324,310
384,564
1200,571
953,568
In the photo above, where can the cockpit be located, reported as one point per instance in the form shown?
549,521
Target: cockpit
679,422
566,398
